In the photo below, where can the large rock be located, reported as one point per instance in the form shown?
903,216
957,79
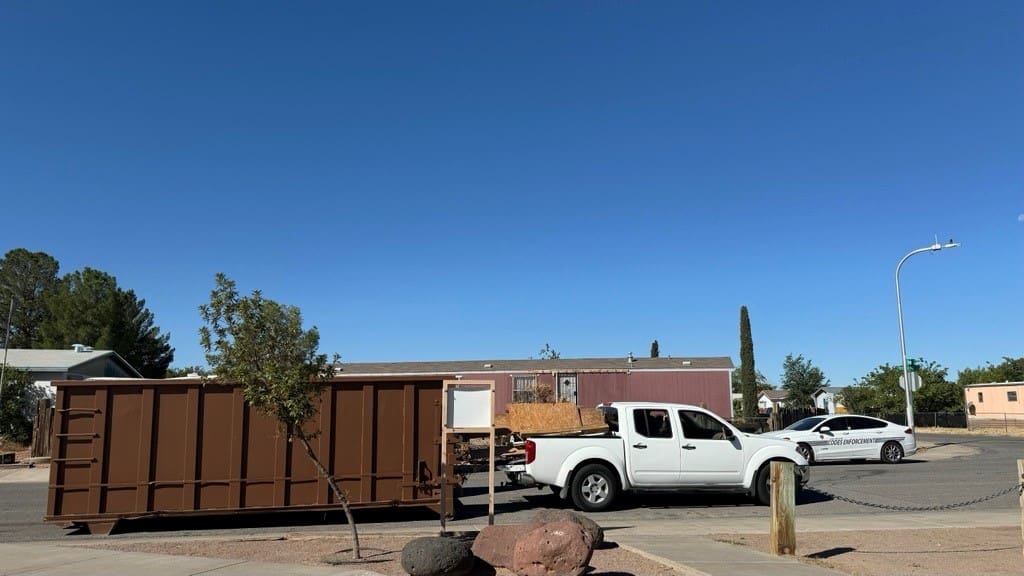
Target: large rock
548,516
437,556
557,548
496,544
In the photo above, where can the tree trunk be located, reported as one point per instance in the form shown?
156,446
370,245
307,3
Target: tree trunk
337,493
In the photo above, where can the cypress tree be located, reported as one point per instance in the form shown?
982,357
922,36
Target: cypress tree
748,375
654,349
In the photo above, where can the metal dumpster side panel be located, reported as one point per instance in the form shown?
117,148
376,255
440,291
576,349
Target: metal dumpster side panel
134,448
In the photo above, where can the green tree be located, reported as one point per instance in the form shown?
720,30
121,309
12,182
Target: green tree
26,277
548,353
184,371
654,349
1009,370
17,403
87,307
748,373
802,380
879,392
261,346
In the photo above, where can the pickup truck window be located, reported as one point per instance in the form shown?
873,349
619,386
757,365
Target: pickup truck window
611,417
652,423
701,426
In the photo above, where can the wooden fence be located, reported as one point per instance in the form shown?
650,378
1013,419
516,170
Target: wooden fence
42,429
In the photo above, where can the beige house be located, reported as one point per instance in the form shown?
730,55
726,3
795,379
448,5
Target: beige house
998,400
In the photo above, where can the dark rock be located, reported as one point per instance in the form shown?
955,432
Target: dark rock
495,545
548,516
437,556
557,548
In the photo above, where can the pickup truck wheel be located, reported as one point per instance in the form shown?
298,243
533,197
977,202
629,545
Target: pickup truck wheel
762,485
594,488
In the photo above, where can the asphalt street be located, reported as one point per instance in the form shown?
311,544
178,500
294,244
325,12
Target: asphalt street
957,469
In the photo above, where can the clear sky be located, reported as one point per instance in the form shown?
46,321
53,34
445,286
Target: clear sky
445,181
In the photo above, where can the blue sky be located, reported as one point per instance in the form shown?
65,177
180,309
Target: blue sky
471,180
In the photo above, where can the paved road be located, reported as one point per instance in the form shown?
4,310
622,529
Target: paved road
958,468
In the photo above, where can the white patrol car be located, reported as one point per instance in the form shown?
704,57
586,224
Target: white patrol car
849,437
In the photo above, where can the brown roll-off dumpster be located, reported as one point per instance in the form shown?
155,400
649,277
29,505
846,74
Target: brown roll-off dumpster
125,449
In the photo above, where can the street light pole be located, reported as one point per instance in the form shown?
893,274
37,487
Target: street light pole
899,311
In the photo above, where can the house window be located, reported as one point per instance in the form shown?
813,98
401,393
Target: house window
981,397
1011,395
523,388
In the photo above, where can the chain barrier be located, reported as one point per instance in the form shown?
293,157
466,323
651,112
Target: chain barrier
1016,487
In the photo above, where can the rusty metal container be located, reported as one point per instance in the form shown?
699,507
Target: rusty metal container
126,449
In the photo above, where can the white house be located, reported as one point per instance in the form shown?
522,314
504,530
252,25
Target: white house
828,399
78,363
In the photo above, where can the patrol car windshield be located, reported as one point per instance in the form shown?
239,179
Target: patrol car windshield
805,424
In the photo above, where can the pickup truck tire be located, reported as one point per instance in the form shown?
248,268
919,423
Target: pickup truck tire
763,487
594,488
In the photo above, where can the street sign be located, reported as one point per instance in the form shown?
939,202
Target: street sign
915,382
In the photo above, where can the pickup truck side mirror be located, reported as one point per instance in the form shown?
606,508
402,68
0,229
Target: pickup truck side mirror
824,429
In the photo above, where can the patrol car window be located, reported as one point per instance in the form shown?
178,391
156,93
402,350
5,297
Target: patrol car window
652,423
836,424
859,423
805,424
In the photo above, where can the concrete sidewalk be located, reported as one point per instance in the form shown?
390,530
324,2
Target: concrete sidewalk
682,544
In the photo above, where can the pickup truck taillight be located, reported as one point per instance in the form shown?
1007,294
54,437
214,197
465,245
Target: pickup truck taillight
531,451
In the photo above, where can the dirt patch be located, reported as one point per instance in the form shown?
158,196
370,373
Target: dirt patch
381,554
924,552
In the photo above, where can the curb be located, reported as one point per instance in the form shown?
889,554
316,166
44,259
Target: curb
670,563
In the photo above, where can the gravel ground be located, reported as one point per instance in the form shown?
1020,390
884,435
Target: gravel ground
380,553
924,552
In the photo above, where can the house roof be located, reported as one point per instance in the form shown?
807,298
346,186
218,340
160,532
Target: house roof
775,395
558,364
830,390
60,360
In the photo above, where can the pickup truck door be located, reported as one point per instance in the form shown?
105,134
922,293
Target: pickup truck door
710,453
653,448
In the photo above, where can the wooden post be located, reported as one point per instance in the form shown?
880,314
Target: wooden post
42,429
1020,478
782,540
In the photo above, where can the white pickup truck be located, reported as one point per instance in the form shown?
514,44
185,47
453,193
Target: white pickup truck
657,447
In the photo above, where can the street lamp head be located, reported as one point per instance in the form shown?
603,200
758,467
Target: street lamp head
951,244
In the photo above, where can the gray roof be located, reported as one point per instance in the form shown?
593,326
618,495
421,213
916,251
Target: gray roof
58,360
559,364
830,390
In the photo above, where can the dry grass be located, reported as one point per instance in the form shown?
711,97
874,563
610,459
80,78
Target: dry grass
1016,432
381,553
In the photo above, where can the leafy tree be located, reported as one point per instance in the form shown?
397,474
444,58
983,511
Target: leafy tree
183,371
654,349
548,353
939,397
26,277
748,373
18,400
879,391
87,307
1010,370
260,345
802,380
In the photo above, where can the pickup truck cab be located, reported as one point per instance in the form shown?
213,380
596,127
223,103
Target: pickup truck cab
657,447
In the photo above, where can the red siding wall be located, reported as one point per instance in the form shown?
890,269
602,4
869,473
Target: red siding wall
710,388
